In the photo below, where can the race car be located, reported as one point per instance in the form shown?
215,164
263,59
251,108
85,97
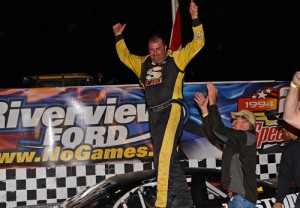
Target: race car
138,190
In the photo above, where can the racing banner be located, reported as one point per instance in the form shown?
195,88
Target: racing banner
45,127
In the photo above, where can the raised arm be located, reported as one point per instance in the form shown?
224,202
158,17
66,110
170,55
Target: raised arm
118,28
291,109
193,10
184,56
202,103
130,60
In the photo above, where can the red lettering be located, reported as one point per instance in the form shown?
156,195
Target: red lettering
266,134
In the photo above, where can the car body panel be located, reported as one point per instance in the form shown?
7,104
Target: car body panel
138,190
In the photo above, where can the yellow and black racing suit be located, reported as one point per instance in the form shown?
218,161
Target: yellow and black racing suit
163,92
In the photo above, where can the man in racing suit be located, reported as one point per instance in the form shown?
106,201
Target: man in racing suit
161,74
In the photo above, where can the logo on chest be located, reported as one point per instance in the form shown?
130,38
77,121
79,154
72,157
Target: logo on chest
154,76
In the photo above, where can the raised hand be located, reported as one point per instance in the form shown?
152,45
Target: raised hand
193,10
202,102
212,93
296,78
118,28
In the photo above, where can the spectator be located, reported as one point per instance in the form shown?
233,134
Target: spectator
239,149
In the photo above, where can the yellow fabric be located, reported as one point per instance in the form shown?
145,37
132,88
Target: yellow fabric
184,56
165,155
204,115
181,58
131,61
294,85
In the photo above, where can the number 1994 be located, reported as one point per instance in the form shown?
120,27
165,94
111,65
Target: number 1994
259,104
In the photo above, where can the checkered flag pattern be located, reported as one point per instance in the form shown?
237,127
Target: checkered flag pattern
32,186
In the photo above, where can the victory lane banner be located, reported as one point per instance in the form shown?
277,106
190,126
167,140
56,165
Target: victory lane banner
46,127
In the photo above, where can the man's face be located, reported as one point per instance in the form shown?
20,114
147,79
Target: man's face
240,123
157,51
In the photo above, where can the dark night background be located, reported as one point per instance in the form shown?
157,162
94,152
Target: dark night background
245,39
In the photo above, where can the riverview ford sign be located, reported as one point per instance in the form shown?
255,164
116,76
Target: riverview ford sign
43,127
